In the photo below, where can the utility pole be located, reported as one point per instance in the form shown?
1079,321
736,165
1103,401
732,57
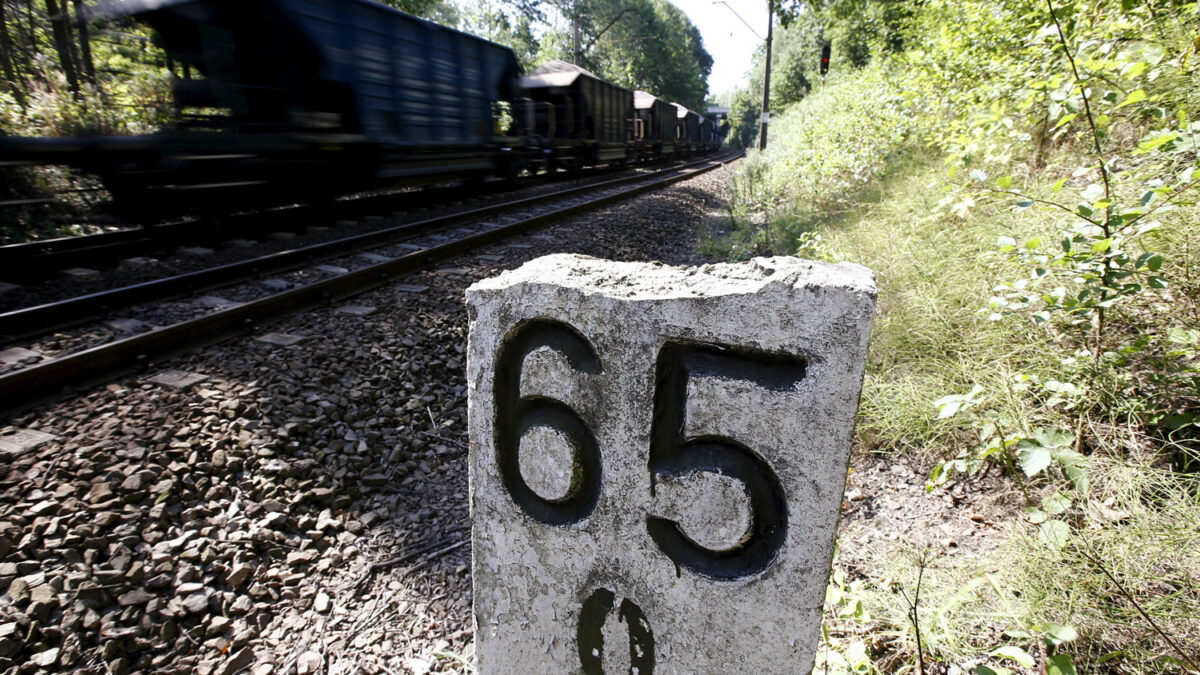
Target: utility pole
766,113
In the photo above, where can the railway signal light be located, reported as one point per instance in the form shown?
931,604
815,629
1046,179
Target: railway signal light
824,58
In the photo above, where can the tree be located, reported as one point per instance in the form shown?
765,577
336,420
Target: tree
426,9
6,59
85,42
638,44
514,23
795,59
858,29
61,27
744,115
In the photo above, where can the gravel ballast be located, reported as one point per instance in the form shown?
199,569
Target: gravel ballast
296,504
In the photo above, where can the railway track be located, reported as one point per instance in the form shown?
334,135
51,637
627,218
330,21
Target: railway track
408,248
42,259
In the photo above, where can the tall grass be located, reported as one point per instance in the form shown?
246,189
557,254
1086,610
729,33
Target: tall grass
824,156
850,178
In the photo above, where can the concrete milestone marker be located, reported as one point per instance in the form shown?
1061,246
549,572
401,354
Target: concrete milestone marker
657,461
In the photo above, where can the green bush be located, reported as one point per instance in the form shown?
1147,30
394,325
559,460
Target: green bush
1024,182
825,152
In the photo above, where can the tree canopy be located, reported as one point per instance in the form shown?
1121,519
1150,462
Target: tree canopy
639,44
61,74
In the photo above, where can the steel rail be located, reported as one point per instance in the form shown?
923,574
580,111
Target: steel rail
24,388
43,257
41,319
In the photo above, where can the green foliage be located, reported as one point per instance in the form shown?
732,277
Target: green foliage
515,24
651,46
842,650
745,111
1121,557
438,10
858,30
795,55
824,152
1037,314
1101,271
128,95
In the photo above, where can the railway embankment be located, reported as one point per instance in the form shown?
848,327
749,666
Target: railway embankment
290,501
1024,490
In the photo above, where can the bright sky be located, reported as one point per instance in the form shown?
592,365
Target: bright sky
729,41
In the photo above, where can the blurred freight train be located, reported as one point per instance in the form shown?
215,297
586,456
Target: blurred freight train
301,100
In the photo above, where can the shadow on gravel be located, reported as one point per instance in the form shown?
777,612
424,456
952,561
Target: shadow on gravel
234,523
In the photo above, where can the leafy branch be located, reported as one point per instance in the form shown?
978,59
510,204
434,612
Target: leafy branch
1087,108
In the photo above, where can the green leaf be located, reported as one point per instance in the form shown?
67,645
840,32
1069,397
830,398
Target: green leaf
1034,458
1135,97
987,670
1032,244
1056,438
1016,654
1060,664
1056,503
937,477
1004,182
1006,243
1102,245
1180,421
1054,533
1074,467
948,408
1065,120
1060,634
1058,185
1150,261
1155,142
1084,210
1093,192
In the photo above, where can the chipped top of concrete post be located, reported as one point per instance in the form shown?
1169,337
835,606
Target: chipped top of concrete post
657,459
655,281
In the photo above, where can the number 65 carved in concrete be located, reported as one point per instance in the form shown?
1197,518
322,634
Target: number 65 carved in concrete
672,453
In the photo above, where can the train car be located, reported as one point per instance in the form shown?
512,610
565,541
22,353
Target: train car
720,126
301,100
309,95
707,132
584,119
655,135
687,130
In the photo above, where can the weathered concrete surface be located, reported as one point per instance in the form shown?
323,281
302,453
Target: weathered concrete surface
695,534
